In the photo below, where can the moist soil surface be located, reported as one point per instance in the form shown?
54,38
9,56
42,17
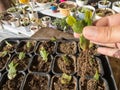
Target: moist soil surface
24,48
57,85
61,66
22,64
67,47
36,82
13,84
86,65
39,65
91,84
48,45
3,61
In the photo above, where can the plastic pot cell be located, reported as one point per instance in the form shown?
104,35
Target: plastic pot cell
27,46
14,84
93,84
36,81
87,65
57,84
64,64
67,47
4,57
103,4
48,45
116,6
8,45
22,62
38,64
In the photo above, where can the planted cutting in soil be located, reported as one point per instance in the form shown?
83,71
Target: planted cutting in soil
36,82
87,65
92,84
4,57
13,84
57,85
22,62
67,47
65,64
26,46
48,45
40,65
8,46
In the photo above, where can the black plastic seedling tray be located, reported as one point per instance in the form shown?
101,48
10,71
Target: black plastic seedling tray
107,75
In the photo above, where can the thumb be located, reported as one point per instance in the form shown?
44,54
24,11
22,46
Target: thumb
102,34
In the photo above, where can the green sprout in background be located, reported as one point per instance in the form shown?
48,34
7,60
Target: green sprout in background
3,54
66,60
8,44
66,79
44,54
12,72
21,55
96,76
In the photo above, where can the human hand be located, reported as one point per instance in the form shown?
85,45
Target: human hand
105,32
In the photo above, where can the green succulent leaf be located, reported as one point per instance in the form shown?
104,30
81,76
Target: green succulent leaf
84,43
65,79
21,55
96,76
12,72
44,54
70,20
8,44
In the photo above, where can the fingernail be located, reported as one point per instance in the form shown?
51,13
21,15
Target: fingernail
90,32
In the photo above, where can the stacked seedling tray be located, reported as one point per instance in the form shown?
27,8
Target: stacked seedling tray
37,64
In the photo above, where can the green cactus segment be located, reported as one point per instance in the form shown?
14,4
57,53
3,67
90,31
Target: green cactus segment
12,72
66,79
44,54
84,43
70,20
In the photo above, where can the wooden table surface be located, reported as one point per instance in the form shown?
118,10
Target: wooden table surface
47,33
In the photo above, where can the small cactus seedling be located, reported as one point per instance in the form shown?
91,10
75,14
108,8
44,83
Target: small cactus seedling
66,79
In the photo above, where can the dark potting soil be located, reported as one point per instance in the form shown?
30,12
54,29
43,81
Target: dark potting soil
68,67
22,64
24,48
103,13
3,61
39,65
48,45
57,85
91,84
36,82
13,84
67,47
86,65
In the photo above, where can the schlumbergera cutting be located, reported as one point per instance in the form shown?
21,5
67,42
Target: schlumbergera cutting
78,25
